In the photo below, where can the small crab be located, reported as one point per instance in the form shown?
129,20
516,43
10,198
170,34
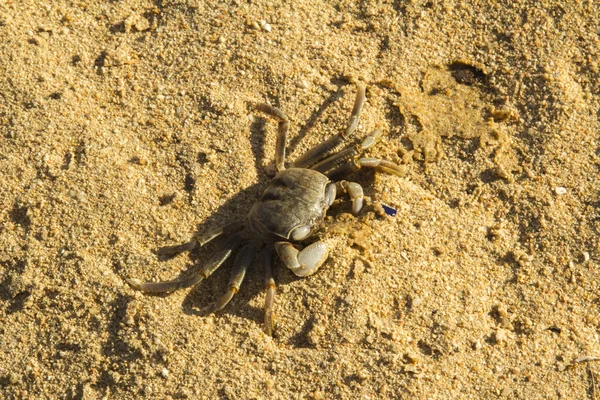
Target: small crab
291,210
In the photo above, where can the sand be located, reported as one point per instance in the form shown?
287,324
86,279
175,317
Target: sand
126,126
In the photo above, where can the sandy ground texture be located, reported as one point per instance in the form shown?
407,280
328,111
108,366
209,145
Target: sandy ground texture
130,125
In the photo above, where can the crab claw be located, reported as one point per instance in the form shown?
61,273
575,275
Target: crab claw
305,262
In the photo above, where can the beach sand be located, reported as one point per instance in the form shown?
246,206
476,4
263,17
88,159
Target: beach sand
126,126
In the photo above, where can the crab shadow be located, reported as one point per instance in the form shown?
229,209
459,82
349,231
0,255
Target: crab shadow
304,129
200,297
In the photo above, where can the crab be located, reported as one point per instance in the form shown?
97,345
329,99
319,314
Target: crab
290,211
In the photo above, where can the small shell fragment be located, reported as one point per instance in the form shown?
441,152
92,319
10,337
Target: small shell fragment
302,84
560,190
265,25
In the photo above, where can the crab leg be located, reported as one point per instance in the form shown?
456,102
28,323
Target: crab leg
215,262
305,262
347,162
382,165
359,102
346,155
242,262
178,248
316,153
270,297
281,132
201,240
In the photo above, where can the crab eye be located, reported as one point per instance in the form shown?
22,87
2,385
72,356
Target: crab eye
300,232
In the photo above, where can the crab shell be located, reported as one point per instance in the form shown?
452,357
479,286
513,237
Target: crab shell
291,207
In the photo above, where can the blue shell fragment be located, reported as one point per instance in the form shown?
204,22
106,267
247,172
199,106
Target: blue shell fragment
389,210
